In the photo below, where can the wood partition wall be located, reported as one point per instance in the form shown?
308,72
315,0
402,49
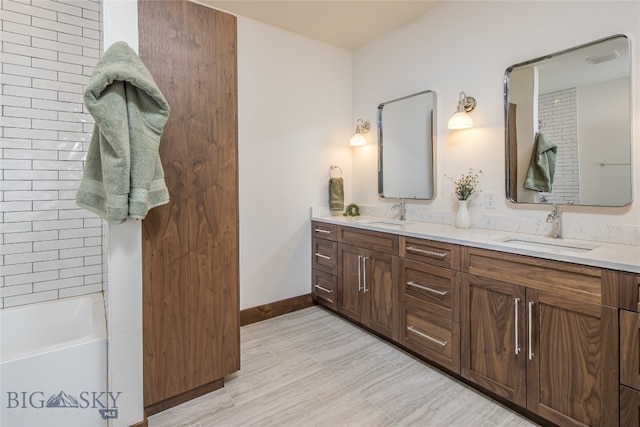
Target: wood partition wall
190,246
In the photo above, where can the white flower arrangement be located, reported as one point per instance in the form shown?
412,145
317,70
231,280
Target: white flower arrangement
467,184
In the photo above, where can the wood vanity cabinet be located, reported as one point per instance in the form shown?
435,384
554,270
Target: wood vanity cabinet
548,336
534,332
429,300
324,262
629,350
367,271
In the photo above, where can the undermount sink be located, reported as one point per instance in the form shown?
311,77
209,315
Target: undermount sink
548,244
381,221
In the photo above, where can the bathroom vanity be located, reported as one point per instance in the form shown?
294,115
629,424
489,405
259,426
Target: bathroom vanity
548,326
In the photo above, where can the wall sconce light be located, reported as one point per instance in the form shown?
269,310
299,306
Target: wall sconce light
461,118
362,128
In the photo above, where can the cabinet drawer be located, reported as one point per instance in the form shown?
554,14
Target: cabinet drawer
627,286
324,256
324,289
435,253
432,336
323,230
432,288
577,282
373,240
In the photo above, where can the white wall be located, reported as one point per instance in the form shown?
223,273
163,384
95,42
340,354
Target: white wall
294,120
604,143
466,46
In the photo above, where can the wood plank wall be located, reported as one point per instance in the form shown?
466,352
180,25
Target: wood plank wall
190,246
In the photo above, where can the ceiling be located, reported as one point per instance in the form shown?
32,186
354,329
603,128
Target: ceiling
346,24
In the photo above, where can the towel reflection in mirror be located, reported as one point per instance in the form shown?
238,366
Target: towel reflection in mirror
542,165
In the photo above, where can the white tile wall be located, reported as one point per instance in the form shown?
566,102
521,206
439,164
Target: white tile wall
49,248
557,112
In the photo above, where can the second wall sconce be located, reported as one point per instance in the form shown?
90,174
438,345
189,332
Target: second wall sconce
362,128
461,118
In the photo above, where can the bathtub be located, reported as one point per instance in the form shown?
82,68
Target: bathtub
53,364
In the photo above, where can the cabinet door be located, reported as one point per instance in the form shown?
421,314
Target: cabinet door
350,275
572,374
380,292
493,336
630,349
629,407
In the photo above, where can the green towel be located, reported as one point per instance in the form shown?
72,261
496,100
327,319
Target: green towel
336,194
542,166
123,176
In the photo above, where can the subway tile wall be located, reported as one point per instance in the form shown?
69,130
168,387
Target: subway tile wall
558,116
49,247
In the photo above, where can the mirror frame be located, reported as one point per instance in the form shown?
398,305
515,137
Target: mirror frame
432,134
509,183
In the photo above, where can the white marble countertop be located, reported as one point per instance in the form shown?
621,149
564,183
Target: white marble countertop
596,254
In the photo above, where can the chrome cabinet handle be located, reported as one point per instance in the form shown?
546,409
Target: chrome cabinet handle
324,298
364,273
516,301
320,230
531,303
426,252
329,291
323,256
423,335
359,273
425,288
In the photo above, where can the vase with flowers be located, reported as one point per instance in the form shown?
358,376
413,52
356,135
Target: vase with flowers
466,185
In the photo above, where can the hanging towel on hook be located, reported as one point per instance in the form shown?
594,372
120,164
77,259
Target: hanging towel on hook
336,194
542,166
123,176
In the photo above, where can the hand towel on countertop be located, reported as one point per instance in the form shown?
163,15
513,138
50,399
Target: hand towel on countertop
336,194
123,176
542,166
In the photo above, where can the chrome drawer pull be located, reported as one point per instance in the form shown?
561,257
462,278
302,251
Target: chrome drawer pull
516,301
426,252
320,230
325,298
359,273
324,289
531,330
323,256
424,288
364,273
423,335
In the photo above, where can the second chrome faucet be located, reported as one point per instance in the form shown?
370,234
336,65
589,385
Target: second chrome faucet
555,218
403,209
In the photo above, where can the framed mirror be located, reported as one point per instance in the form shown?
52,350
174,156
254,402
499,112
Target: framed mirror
568,126
406,129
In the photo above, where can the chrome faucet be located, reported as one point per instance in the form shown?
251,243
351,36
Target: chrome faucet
555,218
403,209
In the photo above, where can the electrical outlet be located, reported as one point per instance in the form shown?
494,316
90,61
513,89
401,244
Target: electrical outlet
490,199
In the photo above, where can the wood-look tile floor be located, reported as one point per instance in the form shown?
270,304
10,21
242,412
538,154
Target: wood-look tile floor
312,368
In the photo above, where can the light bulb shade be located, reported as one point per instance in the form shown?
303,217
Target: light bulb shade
357,140
460,120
